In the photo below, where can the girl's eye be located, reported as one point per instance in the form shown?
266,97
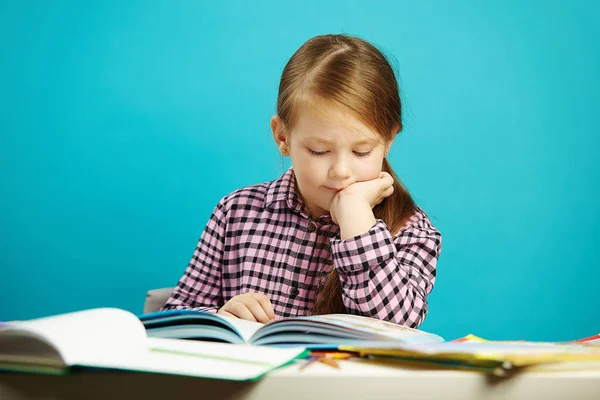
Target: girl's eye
317,153
363,153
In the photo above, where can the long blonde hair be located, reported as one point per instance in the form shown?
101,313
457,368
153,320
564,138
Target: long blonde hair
350,72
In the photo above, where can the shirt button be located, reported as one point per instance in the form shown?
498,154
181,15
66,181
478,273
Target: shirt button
311,227
294,292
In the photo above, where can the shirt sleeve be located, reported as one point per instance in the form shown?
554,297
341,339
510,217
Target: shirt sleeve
388,277
200,285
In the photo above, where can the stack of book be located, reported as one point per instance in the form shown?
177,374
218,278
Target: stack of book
203,344
216,346
499,358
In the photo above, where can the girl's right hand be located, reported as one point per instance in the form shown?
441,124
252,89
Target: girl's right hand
250,306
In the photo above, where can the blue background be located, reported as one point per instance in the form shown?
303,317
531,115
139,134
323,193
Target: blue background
123,123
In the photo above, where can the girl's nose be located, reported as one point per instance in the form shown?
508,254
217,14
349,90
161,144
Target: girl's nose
340,170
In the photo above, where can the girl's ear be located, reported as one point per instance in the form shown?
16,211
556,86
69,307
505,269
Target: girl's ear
280,135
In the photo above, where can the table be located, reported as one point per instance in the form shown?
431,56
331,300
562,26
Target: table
354,380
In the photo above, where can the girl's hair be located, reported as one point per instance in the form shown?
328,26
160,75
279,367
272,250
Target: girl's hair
346,71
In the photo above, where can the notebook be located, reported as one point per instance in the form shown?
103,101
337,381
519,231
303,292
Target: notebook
115,339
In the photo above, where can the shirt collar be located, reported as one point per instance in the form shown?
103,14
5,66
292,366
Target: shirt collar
283,190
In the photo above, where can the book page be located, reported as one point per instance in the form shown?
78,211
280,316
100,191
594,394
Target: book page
374,329
245,328
205,359
89,335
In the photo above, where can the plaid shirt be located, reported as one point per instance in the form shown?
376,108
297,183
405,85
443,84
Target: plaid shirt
261,239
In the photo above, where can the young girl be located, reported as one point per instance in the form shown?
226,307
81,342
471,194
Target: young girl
337,232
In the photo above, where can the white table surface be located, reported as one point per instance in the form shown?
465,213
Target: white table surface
354,380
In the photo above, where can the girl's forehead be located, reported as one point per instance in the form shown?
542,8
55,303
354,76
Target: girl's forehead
332,124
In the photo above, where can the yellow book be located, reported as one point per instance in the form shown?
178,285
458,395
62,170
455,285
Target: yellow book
478,353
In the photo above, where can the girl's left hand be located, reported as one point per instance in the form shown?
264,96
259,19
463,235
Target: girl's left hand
366,193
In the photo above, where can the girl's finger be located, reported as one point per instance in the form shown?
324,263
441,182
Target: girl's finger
388,192
240,310
257,311
266,306
226,313
386,182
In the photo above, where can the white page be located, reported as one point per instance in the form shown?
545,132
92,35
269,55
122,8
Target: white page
244,327
203,359
377,327
90,334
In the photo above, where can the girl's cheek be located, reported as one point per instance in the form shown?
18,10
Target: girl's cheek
370,173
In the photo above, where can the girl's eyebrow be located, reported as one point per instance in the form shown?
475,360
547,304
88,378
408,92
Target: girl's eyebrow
327,141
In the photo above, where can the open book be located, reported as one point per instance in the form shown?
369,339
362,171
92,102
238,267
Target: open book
111,338
316,332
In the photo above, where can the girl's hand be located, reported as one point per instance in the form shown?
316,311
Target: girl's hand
250,306
360,195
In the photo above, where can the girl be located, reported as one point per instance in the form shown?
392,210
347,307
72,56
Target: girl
337,232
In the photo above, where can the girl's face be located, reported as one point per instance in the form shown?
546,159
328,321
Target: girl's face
330,151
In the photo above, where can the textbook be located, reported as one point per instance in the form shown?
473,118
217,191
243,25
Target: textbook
314,332
115,339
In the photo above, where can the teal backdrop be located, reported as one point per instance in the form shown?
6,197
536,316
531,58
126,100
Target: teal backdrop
123,123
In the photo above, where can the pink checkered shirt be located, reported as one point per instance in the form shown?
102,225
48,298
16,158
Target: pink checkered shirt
261,239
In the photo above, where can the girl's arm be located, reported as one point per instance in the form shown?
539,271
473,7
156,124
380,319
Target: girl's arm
200,285
388,277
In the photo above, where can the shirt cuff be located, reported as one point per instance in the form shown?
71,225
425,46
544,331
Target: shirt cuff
372,248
